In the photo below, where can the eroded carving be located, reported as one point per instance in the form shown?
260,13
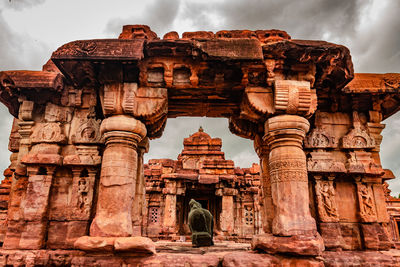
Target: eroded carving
366,202
358,137
48,133
327,209
88,131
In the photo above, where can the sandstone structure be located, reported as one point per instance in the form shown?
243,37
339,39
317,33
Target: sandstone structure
82,125
231,194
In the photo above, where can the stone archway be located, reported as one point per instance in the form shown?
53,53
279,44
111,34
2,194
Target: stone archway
102,99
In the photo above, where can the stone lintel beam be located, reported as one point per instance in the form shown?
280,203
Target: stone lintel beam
332,62
38,86
118,176
380,89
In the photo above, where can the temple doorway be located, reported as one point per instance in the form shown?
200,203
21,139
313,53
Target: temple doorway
208,200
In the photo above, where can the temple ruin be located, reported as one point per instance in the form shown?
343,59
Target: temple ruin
202,173
77,192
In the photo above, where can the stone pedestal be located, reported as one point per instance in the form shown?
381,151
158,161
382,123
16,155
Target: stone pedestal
118,177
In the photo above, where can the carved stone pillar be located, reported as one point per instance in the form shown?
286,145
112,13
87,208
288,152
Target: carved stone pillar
294,229
227,218
118,176
139,203
169,223
288,173
267,211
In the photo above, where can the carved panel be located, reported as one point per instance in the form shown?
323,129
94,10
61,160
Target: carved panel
321,161
84,203
88,131
362,162
55,113
48,133
153,215
248,215
284,170
366,203
327,208
320,138
358,137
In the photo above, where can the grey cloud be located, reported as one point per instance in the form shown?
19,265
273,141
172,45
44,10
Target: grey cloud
16,52
171,143
159,15
302,19
21,4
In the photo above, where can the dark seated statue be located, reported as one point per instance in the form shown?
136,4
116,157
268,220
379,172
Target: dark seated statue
201,225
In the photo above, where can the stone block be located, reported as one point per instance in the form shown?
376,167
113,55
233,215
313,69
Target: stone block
62,235
208,179
13,234
135,244
33,235
95,243
331,234
295,245
351,236
375,237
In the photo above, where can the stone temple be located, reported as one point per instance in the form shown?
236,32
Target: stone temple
77,192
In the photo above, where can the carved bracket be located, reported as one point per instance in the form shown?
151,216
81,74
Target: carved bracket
147,104
257,103
294,97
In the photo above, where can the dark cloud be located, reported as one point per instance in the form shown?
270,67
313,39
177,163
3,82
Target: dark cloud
158,14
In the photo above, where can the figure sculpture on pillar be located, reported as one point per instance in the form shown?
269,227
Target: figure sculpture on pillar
201,225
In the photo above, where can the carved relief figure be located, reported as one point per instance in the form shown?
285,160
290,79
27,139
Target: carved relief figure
83,190
48,133
367,209
326,201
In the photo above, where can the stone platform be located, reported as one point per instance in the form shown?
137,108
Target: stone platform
182,254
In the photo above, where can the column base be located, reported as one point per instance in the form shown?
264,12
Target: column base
295,245
138,244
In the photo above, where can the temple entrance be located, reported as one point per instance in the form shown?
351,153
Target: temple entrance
208,200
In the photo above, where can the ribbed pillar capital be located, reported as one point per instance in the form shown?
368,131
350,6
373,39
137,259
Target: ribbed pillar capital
123,129
285,130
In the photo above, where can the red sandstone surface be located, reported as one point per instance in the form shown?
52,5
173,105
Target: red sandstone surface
77,188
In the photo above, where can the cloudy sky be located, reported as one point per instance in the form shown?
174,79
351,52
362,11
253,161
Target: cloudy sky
31,29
